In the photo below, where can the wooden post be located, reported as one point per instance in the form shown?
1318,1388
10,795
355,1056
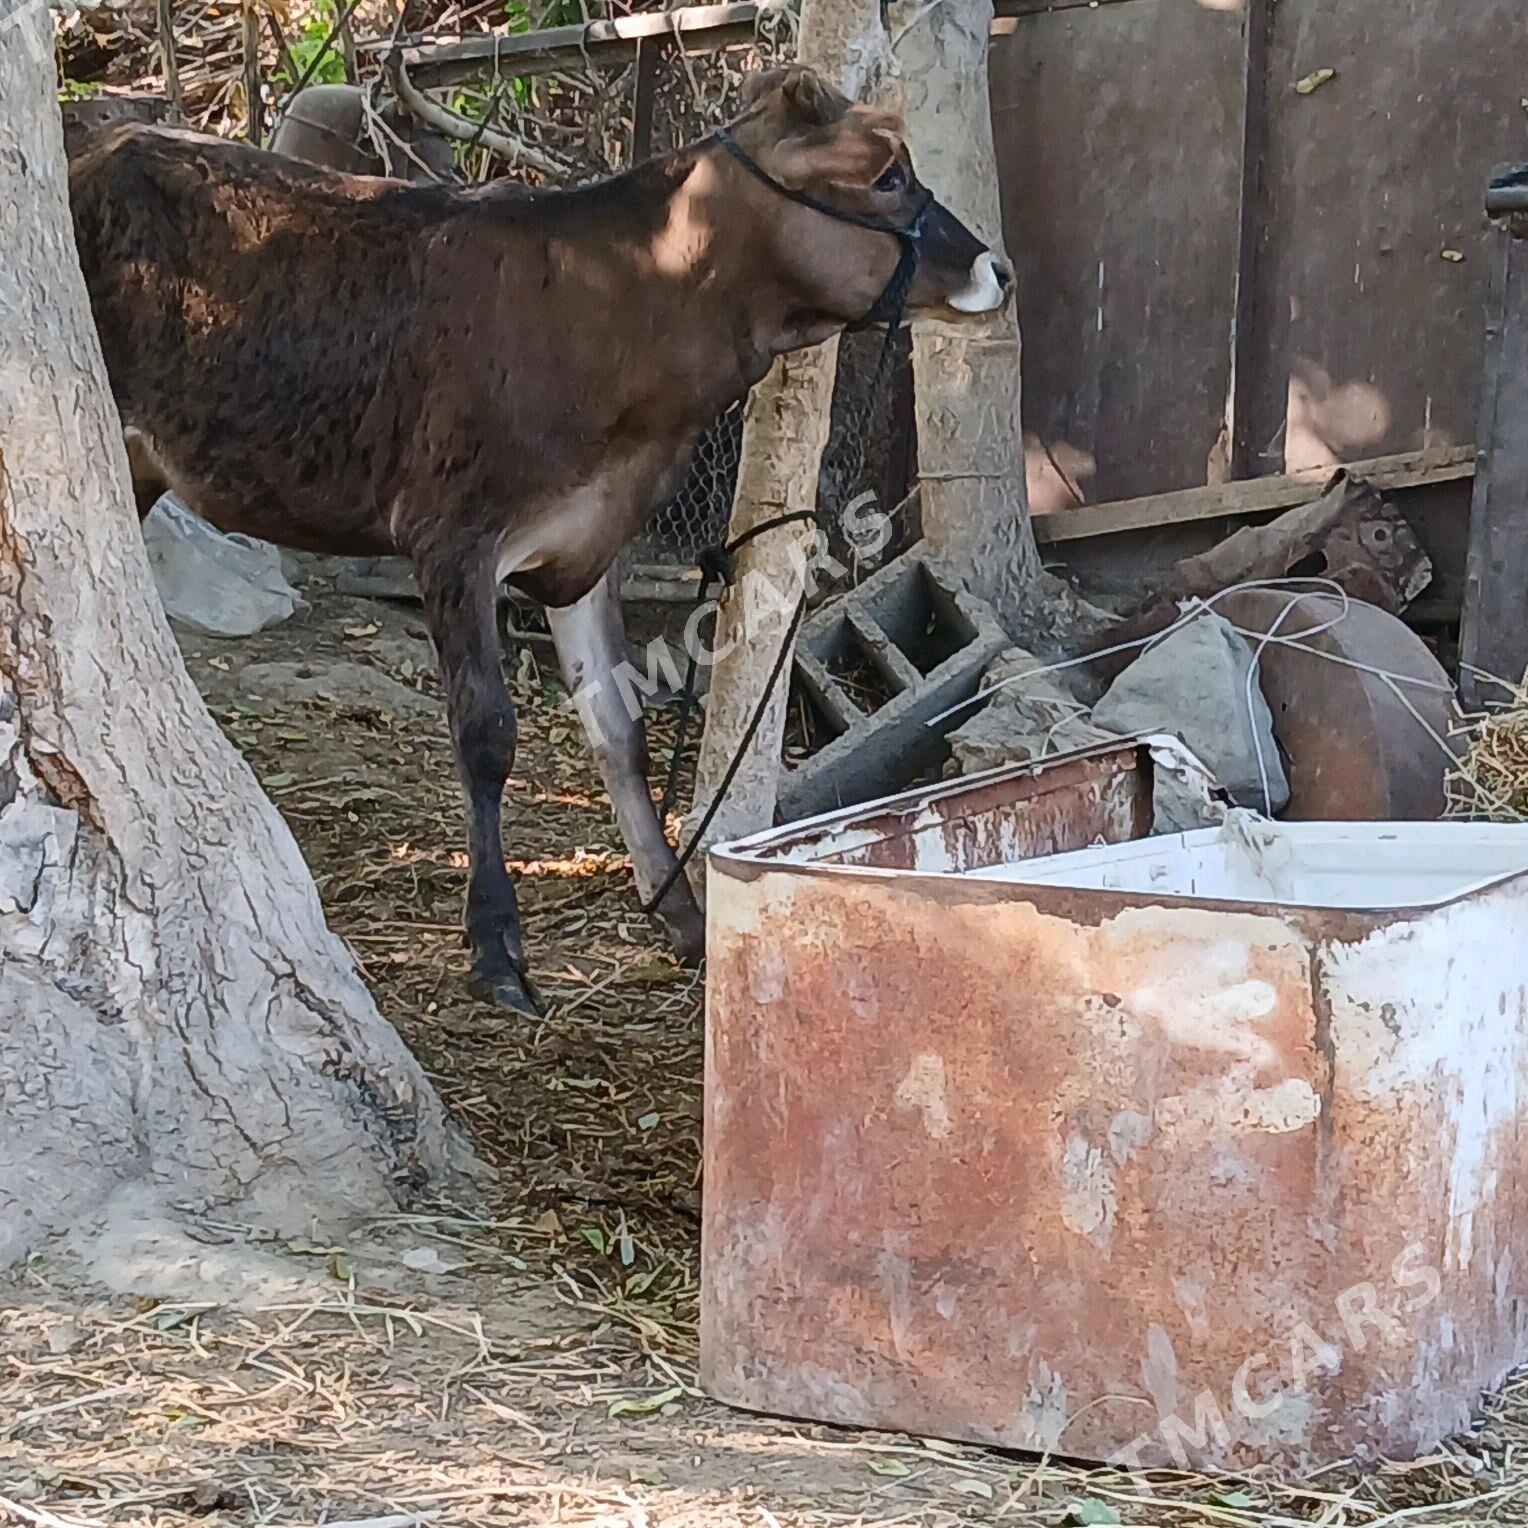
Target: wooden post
785,431
1494,640
166,12
648,54
254,108
346,25
283,52
1250,233
974,501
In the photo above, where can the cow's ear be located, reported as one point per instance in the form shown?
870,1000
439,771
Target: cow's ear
812,102
759,84
886,125
833,156
807,100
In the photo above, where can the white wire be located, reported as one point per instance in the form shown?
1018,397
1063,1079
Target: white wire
1190,614
1253,691
1302,589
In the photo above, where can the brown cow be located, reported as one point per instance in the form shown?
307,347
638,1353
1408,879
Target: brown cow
498,384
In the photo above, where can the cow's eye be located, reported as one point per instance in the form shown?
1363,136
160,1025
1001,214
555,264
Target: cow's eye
894,179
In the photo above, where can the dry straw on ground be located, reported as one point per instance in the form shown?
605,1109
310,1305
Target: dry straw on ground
530,1359
1491,782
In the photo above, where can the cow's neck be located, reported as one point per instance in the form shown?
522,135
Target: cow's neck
706,281
748,280
671,308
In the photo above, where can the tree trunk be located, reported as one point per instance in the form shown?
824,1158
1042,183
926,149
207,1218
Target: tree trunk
173,1010
785,433
970,439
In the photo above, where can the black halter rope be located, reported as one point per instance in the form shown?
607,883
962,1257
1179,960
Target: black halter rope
716,561
889,305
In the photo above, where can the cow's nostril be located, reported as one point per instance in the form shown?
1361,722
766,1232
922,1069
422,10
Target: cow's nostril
1003,274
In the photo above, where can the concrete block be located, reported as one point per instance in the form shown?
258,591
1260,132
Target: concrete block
878,665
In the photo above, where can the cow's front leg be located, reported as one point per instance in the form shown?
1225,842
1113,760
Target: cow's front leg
459,600
591,645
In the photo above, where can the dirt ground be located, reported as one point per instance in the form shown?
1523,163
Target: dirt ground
529,1360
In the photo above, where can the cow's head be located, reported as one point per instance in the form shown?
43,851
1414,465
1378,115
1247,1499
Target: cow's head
811,140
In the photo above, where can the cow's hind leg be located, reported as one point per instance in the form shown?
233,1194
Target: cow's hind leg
149,481
459,598
591,644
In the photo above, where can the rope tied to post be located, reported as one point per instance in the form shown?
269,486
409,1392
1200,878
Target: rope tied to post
715,562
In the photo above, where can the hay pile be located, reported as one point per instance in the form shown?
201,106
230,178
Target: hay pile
1491,782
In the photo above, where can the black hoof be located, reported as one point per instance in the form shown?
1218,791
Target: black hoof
687,939
683,924
513,991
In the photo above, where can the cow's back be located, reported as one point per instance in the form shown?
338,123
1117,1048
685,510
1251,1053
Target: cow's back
250,309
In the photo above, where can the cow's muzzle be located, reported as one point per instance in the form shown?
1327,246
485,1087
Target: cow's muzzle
991,281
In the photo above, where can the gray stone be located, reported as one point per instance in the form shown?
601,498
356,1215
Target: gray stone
1180,802
1194,686
223,586
379,578
1184,794
340,682
1030,718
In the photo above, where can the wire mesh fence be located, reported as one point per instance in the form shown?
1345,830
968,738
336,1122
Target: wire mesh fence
696,518
695,95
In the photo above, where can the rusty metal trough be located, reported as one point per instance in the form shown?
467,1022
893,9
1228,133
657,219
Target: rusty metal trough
1087,1162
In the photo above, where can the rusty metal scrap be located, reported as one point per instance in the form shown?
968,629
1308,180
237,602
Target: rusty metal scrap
1096,1171
1350,535
1358,744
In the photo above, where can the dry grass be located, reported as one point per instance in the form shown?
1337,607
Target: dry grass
531,1360
1491,782
344,1406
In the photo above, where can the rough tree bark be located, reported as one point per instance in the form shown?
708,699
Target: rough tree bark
173,1010
973,497
784,435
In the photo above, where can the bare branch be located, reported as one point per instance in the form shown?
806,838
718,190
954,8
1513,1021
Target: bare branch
432,114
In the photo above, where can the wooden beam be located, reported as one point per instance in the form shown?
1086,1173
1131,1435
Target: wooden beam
1009,9
601,44
1257,496
615,43
254,106
165,11
346,26
1494,636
